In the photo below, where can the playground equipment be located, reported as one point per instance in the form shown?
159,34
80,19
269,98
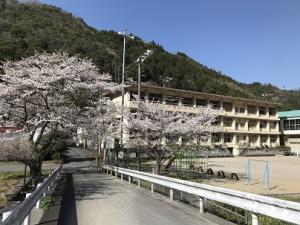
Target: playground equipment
188,162
194,164
265,180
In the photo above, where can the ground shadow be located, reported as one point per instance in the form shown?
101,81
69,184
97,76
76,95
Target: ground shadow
68,213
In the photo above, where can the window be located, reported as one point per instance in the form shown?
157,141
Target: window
216,138
263,124
201,102
273,139
155,97
252,123
134,95
242,110
227,106
242,124
187,101
272,111
264,139
215,104
217,121
251,109
286,124
297,124
171,100
227,121
262,110
227,138
252,139
291,124
273,124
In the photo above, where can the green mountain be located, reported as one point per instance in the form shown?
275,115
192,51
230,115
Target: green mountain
29,27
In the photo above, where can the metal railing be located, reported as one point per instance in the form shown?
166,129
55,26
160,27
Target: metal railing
21,214
256,204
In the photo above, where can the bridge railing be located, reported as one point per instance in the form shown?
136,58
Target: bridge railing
287,211
21,214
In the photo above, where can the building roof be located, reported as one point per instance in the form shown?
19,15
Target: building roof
203,94
286,114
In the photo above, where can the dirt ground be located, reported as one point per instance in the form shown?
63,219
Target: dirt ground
284,174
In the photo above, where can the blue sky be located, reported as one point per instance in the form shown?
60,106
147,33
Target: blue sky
254,40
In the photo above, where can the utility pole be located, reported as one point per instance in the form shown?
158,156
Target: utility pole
124,34
139,79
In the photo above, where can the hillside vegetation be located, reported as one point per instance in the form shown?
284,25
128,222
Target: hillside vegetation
29,27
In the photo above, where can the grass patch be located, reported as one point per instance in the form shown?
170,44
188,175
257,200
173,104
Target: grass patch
293,198
47,202
2,201
9,180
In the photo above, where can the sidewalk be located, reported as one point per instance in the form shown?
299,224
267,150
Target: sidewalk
91,198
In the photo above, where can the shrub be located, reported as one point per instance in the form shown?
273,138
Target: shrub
47,202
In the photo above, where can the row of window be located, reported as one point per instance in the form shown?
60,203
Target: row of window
291,124
227,122
186,101
228,138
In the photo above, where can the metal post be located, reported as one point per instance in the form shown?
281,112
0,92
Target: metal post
122,87
129,179
5,215
121,176
45,193
25,175
139,79
139,183
171,194
201,205
27,219
152,185
38,203
246,217
254,219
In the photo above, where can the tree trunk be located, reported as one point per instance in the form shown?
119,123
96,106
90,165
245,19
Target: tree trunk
35,171
104,156
139,160
158,167
171,161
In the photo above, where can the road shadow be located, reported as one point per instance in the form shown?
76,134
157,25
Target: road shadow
68,213
93,185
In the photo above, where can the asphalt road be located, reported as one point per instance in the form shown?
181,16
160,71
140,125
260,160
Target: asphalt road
92,198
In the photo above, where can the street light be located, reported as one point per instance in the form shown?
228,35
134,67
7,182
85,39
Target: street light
166,80
140,60
125,35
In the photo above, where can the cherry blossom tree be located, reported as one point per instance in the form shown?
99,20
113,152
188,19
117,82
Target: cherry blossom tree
159,131
50,90
101,124
16,148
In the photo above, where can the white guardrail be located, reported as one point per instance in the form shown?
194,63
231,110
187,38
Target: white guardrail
256,204
21,214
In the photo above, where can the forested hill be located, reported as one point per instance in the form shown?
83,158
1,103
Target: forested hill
29,27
